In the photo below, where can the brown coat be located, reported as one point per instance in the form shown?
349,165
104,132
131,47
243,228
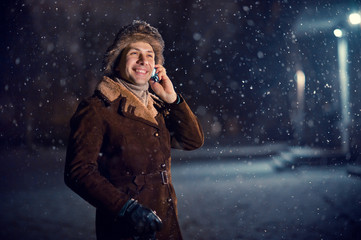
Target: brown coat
120,149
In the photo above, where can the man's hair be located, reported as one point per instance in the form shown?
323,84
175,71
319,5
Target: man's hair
135,32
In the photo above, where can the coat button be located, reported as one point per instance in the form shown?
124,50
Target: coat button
163,165
169,200
156,134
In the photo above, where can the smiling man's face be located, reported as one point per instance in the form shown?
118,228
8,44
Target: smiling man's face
136,63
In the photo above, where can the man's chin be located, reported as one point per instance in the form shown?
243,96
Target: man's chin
140,82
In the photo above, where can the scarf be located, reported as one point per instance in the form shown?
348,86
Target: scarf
140,91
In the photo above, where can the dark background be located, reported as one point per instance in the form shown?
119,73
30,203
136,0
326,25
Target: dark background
234,61
267,170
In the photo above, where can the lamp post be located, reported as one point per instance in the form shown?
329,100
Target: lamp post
300,116
311,23
342,50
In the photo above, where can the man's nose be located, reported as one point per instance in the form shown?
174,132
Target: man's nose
142,59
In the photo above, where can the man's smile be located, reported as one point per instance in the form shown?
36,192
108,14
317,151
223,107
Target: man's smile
140,71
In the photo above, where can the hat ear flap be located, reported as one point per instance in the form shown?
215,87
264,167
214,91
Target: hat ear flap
117,61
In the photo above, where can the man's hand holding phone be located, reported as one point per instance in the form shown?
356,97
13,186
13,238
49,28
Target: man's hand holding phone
163,86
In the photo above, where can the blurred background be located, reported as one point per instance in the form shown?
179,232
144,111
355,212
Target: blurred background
275,82
240,65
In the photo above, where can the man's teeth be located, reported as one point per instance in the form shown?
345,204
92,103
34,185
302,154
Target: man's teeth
140,71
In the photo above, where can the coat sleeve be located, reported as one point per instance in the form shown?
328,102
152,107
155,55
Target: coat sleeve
184,127
81,168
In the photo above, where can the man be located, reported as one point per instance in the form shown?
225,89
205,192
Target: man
118,156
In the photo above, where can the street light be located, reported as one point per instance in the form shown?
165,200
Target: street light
354,18
338,32
308,25
342,48
300,117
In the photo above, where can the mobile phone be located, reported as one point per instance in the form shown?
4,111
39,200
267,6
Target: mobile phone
155,76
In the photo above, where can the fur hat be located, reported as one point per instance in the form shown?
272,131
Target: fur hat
137,31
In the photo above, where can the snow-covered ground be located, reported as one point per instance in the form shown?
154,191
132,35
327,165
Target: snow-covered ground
217,199
236,200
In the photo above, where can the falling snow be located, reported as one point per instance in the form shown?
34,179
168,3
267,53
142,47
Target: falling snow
256,73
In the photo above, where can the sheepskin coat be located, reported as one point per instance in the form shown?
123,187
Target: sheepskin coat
120,149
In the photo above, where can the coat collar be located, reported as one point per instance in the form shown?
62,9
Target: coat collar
131,106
